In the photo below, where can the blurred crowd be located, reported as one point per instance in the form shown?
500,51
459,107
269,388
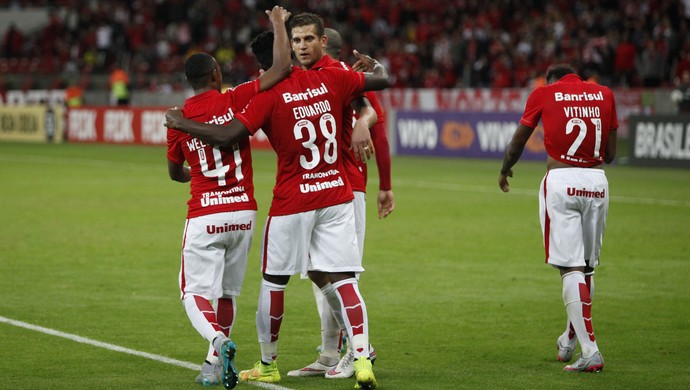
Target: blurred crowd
427,44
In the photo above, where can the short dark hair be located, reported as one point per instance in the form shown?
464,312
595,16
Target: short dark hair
306,19
262,47
556,72
335,43
198,69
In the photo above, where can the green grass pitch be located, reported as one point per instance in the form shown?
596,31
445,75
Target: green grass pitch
456,289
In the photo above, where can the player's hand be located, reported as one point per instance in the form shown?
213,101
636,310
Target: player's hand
172,118
364,62
278,13
386,203
503,180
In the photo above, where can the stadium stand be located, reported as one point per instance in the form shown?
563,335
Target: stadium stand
464,43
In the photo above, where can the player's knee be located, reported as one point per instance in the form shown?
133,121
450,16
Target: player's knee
277,279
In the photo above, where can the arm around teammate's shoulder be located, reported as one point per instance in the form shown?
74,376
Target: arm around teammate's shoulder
216,135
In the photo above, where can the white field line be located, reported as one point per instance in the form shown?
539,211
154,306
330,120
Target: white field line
534,192
117,348
404,183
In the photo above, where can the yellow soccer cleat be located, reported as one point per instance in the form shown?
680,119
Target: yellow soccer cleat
267,373
364,374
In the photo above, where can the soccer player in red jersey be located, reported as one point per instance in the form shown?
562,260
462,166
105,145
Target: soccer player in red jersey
327,54
580,124
310,225
222,209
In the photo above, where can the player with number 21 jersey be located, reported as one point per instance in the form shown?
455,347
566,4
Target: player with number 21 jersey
577,117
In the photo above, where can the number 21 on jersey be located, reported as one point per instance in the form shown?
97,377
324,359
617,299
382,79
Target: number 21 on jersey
581,125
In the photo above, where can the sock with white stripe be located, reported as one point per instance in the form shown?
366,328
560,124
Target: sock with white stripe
202,316
578,305
269,316
330,327
354,315
569,330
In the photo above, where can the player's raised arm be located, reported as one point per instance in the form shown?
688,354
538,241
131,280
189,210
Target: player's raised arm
376,75
282,60
211,134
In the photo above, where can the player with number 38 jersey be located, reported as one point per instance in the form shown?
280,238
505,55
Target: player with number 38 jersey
310,104
577,117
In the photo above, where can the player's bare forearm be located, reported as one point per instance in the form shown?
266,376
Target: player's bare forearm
512,156
211,134
610,152
365,111
179,172
282,61
361,141
513,153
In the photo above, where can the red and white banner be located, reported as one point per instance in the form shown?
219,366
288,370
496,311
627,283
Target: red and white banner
130,125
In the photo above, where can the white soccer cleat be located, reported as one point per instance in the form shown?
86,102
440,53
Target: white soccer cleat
566,348
345,367
210,374
314,369
594,363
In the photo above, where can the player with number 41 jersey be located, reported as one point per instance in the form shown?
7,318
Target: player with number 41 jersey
221,176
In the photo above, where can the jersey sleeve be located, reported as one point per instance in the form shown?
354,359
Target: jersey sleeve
374,100
244,92
257,112
383,155
349,84
533,109
175,153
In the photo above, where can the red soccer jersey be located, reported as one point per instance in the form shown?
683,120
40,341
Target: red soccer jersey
302,118
355,170
222,178
577,118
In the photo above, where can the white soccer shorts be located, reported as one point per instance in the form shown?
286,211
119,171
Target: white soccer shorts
214,253
573,203
317,240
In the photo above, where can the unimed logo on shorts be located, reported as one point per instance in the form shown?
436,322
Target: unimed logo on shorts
215,229
585,193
